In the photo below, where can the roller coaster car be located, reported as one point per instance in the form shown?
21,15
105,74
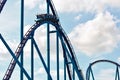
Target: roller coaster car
47,17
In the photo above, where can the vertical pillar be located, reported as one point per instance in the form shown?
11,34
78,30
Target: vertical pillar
48,49
48,41
73,73
57,45
92,74
64,60
64,69
32,58
117,76
21,35
88,73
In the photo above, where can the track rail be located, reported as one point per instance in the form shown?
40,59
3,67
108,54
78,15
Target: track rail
67,41
20,47
109,61
43,18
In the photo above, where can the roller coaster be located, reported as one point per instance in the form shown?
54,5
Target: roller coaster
72,70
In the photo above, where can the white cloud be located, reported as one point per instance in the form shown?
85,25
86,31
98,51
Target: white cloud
78,17
31,3
41,70
53,72
118,60
113,3
2,48
106,74
96,36
82,5
11,18
4,53
54,57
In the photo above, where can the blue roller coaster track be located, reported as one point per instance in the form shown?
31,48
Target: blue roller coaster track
45,18
89,72
71,64
69,54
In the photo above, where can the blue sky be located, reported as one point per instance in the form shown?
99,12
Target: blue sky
92,26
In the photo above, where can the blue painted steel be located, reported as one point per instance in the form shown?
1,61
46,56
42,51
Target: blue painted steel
117,76
66,55
73,73
50,2
88,73
32,58
41,58
92,74
48,48
15,58
2,3
89,69
64,69
57,45
47,18
70,61
108,61
68,43
21,36
48,41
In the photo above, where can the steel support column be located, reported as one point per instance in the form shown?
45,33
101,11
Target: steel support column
57,45
42,60
117,76
73,73
32,58
48,40
92,74
64,69
21,36
15,58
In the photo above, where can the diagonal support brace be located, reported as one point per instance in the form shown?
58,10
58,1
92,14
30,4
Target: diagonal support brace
42,60
15,58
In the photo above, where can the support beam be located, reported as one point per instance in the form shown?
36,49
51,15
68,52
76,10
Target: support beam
32,58
15,58
57,45
64,69
42,60
73,73
48,39
66,65
21,36
92,74
117,76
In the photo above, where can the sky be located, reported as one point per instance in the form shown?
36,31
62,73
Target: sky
93,27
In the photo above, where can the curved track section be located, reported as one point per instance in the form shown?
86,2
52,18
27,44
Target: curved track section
100,61
43,18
